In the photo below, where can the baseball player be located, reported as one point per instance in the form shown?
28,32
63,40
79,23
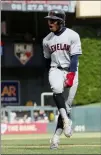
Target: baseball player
62,46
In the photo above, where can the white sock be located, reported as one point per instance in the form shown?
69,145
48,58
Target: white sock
63,114
58,132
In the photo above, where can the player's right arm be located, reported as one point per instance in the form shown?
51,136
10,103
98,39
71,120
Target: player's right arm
46,53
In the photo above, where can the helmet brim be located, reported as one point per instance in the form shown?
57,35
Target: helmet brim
53,17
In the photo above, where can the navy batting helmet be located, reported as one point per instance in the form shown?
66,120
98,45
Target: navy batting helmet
56,15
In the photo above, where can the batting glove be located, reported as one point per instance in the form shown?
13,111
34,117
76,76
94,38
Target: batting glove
69,79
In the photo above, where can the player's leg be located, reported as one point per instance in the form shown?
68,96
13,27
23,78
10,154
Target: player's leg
56,79
58,131
59,126
69,94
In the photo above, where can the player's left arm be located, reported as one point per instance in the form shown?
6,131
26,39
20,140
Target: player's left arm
75,51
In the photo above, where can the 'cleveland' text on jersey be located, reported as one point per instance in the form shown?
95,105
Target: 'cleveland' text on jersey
60,46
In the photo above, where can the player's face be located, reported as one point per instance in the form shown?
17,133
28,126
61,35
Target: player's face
53,25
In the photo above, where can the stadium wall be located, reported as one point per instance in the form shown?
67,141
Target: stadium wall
85,119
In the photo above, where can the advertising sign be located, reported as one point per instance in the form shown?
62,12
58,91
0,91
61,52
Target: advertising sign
10,93
23,52
32,5
24,128
23,55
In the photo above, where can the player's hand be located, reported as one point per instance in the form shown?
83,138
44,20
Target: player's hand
69,79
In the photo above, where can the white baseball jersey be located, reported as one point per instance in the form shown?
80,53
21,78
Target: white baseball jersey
60,47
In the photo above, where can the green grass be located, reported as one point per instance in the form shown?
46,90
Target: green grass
94,104
89,90
39,144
